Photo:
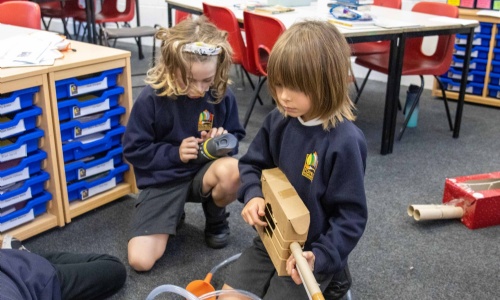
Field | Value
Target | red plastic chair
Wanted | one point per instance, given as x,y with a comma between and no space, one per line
181,15
225,19
261,35
415,61
111,14
21,13
61,9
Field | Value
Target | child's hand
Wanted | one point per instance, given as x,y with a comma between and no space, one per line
188,149
291,265
212,133
253,211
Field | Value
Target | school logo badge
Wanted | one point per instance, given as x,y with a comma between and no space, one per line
310,165
205,121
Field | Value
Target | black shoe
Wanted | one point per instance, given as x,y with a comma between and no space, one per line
216,147
10,242
217,232
339,285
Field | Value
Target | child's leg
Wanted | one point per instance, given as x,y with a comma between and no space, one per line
252,272
222,180
215,186
158,211
144,251
88,276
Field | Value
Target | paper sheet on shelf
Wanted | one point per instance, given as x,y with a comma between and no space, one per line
34,49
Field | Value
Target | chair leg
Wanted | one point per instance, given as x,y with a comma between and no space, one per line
441,86
413,106
360,90
253,100
252,85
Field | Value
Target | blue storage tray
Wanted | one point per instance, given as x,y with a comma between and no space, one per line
32,209
478,40
89,104
21,146
484,28
13,124
17,100
494,79
27,190
494,91
475,63
495,66
471,88
476,51
87,84
92,144
75,128
474,75
84,189
26,167
80,169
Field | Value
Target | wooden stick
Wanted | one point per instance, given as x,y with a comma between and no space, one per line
305,272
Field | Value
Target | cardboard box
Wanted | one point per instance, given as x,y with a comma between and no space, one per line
287,217
479,197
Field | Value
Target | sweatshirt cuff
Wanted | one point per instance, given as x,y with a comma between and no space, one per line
174,156
252,192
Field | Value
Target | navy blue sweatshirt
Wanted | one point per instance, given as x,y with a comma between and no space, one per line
157,126
327,170
27,276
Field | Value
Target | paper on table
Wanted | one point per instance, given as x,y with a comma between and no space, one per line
453,20
387,23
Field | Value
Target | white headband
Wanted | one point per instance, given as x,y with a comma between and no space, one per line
202,48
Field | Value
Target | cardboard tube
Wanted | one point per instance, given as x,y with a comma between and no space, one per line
411,209
436,212
305,272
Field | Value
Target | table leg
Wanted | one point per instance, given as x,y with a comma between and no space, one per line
169,14
392,94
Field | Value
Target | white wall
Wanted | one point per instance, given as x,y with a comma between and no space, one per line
155,12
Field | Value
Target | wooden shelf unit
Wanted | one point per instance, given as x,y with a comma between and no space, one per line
483,98
86,59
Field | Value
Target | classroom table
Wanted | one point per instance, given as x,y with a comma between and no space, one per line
428,25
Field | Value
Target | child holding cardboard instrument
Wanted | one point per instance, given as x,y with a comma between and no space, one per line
312,139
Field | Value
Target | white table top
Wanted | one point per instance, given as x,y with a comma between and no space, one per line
423,22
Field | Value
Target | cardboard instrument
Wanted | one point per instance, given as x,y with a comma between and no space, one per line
288,224
475,199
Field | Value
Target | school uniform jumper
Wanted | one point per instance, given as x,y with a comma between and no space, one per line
157,125
327,170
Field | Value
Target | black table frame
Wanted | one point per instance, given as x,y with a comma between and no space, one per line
398,41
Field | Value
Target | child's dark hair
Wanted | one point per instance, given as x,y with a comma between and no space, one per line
313,57
162,77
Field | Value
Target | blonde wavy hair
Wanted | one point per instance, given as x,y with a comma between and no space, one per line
313,57
162,77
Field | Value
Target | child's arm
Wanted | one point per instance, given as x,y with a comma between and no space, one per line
344,202
141,145
257,158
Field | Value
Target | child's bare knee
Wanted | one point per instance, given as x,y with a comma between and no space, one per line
140,263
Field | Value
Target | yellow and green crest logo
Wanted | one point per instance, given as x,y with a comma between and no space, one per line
205,121
310,165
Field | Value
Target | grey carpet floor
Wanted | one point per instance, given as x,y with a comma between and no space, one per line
397,258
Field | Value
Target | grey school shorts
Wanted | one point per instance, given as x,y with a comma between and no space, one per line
159,209
254,272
